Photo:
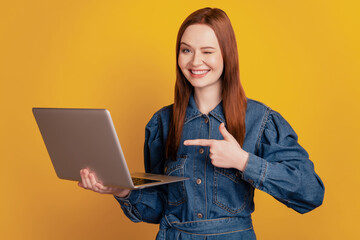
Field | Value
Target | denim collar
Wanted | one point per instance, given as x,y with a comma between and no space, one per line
193,112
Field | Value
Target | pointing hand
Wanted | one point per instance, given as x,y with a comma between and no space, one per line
225,153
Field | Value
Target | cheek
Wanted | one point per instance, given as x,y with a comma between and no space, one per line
181,62
216,62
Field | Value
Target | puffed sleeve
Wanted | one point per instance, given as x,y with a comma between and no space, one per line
147,204
281,167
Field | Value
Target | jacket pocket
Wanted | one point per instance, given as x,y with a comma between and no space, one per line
176,191
231,193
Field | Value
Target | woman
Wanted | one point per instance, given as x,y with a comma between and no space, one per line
226,144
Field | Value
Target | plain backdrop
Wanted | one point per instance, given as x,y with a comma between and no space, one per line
301,58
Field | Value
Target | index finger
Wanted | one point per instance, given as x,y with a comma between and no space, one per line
198,142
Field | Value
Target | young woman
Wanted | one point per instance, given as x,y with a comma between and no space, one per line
226,144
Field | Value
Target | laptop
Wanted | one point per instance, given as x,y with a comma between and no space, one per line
86,138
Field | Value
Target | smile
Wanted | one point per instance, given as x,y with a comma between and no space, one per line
198,73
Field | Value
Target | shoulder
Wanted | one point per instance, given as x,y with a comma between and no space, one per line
257,111
274,132
157,127
256,104
261,110
269,119
160,116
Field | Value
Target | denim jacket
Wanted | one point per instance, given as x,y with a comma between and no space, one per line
216,203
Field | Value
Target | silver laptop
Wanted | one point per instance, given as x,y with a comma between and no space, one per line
86,138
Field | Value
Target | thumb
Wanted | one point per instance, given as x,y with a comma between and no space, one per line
227,136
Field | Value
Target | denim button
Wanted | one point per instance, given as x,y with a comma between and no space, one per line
198,181
238,174
206,120
201,151
126,204
199,215
251,181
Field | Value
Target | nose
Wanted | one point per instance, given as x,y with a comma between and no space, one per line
197,59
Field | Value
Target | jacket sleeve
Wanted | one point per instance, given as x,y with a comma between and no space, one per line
147,204
281,167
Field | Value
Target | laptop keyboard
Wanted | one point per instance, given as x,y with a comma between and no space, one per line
140,181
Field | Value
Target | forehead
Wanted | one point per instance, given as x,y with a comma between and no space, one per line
199,35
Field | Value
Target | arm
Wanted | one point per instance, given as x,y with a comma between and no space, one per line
282,168
148,204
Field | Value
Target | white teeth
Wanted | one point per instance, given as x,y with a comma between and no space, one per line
199,72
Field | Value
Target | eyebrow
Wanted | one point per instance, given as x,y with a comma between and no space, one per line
200,48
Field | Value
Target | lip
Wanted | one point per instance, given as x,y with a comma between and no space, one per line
198,75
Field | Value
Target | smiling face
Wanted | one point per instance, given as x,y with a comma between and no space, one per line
200,58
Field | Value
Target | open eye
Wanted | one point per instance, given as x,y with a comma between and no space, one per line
185,50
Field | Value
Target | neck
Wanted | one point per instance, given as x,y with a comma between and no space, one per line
207,98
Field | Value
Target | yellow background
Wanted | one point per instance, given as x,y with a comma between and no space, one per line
302,58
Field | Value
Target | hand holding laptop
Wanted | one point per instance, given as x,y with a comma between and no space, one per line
90,182
85,141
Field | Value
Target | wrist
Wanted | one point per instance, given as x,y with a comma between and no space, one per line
243,161
123,194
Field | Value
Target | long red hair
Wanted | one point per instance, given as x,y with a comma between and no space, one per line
233,95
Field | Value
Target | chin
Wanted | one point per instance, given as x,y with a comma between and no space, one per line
201,83
197,84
